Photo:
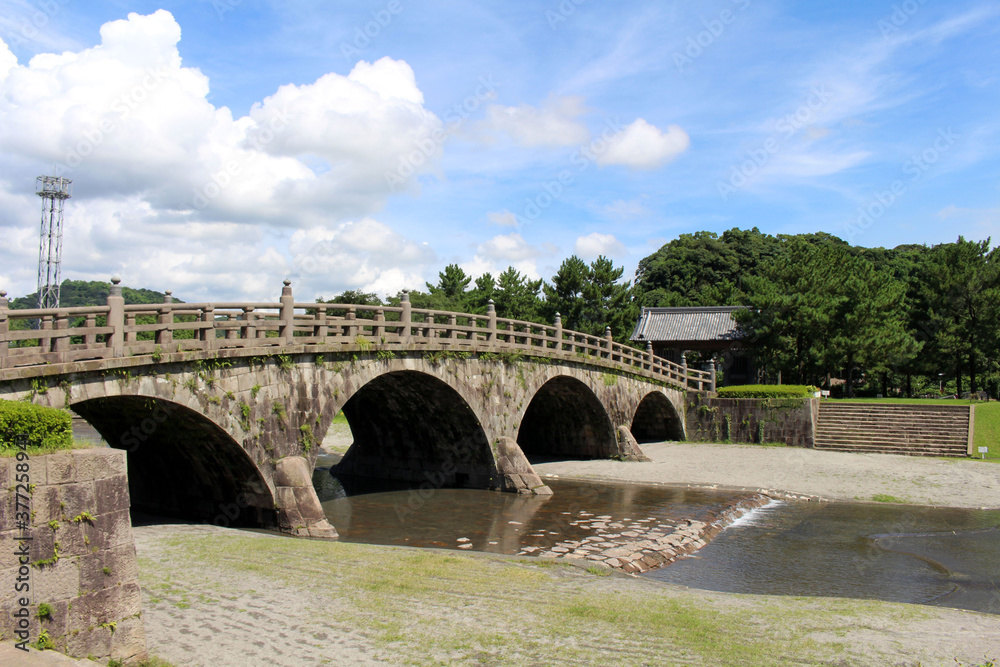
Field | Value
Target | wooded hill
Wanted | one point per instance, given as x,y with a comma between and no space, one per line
74,293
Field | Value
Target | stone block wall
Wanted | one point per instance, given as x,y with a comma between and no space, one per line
81,559
752,420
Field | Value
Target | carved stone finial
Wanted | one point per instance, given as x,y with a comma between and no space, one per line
116,279
287,282
3,293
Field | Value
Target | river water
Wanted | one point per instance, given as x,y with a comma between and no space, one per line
947,557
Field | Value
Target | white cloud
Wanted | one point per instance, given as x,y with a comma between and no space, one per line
7,60
508,247
554,124
644,146
174,192
503,218
595,244
496,254
366,255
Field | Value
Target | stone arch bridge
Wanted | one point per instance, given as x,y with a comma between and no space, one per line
221,406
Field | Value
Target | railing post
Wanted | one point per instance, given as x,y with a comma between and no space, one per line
378,330
684,370
321,331
714,370
649,353
90,339
352,329
452,322
129,323
491,313
4,325
286,330
249,330
116,318
611,341
406,317
61,344
208,335
165,335
559,334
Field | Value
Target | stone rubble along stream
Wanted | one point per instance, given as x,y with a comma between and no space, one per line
635,546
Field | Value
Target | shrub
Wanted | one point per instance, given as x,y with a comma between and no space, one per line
767,391
46,428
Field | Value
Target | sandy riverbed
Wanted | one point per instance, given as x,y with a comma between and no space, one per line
807,472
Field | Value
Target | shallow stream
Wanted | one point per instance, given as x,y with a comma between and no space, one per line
947,557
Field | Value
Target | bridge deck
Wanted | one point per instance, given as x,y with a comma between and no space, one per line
61,336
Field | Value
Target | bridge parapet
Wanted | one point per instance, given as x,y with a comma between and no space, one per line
116,330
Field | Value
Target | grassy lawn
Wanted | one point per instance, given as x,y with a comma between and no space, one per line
987,418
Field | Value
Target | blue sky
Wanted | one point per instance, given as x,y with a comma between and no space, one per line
218,147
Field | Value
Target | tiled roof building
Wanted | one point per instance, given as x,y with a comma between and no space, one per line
706,330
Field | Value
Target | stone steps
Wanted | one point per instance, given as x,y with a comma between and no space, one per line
915,430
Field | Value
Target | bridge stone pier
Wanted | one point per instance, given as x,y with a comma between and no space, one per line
221,406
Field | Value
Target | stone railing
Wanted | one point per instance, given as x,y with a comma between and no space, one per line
115,330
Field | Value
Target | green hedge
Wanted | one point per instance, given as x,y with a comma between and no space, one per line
46,428
767,391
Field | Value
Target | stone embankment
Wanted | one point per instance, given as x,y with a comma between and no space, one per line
639,545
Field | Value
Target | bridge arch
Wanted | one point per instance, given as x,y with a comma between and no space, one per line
412,426
565,418
656,419
180,463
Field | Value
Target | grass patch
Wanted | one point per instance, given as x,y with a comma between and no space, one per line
340,418
886,498
987,430
767,391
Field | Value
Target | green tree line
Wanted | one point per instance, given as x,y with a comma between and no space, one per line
905,319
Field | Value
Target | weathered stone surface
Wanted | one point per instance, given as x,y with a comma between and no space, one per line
629,449
111,493
293,471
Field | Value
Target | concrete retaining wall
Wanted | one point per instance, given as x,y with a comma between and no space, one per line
752,420
81,558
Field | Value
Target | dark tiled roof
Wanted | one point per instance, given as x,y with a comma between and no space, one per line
687,324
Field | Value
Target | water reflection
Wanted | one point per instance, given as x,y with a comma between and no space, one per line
854,550
933,556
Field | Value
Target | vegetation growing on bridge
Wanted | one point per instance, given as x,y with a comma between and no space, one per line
767,391
48,429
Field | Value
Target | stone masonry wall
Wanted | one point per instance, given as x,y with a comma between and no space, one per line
752,420
81,559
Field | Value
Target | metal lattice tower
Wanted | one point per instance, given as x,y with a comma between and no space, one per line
54,191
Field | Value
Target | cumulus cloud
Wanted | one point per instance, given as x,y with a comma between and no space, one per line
644,146
365,254
593,245
553,124
160,173
501,251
